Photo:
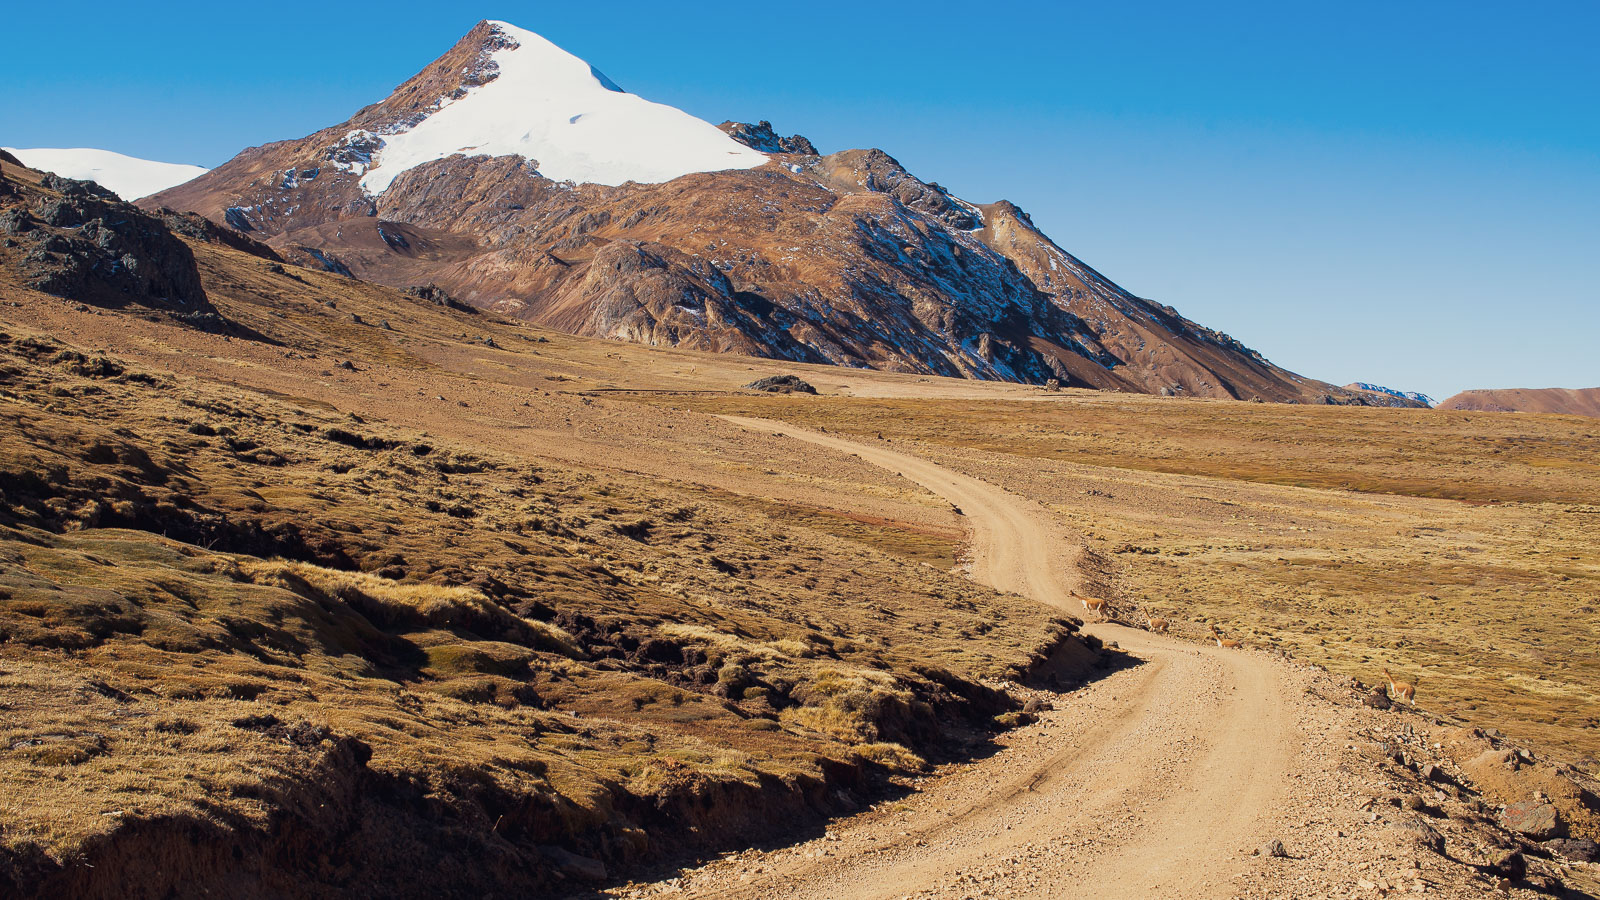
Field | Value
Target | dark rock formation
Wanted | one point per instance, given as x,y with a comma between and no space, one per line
94,249
438,297
760,136
781,384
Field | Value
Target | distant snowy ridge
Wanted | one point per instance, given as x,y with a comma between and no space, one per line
1380,389
129,176
549,106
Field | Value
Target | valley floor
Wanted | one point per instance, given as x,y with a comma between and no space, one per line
369,580
1170,777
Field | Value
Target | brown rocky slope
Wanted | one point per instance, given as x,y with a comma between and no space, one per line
843,258
1566,401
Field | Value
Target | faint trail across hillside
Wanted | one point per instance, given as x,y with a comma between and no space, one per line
1154,781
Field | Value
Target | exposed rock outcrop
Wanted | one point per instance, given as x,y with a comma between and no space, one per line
78,241
760,136
782,384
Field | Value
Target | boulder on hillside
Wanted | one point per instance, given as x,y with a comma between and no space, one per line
437,296
781,384
1415,833
1534,818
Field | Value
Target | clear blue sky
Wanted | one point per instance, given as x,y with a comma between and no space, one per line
1406,193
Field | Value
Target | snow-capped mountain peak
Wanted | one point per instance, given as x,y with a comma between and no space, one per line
1380,389
464,176
538,101
130,177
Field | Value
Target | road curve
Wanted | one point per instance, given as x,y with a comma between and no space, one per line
1153,781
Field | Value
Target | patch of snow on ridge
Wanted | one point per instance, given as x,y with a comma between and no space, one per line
128,176
551,107
1380,389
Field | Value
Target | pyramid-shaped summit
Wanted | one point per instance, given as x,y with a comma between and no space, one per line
515,176
535,100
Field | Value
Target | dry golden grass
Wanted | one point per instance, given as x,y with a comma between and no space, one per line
257,589
412,606
937,547
475,598
1484,457
1357,538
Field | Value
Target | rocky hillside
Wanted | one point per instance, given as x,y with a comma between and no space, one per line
1566,401
741,241
265,632
77,240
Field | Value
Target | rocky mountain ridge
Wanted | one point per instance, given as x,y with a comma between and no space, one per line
1415,396
844,258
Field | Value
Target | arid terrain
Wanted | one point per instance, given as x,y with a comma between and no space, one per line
1455,548
1563,401
304,580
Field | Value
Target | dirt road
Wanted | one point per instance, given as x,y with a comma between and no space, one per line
1155,781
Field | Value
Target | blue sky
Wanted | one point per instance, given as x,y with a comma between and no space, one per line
1405,193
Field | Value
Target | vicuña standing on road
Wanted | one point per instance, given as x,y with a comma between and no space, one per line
1092,605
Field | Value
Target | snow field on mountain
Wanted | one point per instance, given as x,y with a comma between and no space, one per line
552,107
129,176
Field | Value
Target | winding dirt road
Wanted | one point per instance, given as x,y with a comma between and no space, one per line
1154,781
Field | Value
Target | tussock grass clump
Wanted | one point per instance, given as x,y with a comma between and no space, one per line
403,606
892,756
870,711
855,706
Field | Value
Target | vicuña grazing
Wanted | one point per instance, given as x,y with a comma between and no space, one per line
1400,690
1222,641
1092,605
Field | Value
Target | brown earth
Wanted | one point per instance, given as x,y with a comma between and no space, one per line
1561,401
275,613
359,579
